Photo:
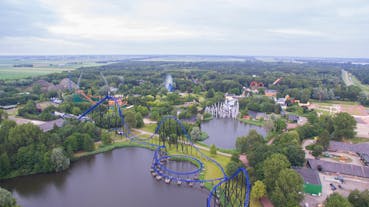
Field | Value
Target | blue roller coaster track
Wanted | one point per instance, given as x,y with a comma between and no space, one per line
231,190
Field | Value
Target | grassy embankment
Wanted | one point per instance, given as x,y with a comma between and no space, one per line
252,122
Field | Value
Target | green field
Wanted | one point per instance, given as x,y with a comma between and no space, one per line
354,81
363,87
16,73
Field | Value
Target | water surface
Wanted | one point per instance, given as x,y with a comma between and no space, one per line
224,132
120,178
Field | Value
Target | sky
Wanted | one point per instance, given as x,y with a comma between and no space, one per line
312,28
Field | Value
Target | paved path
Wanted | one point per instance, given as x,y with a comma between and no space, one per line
196,145
19,120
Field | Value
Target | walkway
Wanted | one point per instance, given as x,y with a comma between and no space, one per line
196,145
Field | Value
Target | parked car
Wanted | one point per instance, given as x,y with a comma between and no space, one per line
340,178
333,187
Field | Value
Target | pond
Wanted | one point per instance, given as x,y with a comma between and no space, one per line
224,132
115,179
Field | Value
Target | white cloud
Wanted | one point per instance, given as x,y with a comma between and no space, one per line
297,32
82,19
191,26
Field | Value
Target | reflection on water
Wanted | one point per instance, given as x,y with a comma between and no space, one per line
224,132
113,179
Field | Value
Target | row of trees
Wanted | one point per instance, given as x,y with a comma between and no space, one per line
25,149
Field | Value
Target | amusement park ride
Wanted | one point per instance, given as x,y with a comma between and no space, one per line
233,190
122,100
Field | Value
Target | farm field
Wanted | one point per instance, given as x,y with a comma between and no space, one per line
16,73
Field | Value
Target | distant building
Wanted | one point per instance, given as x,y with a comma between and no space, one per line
282,103
271,93
312,184
256,84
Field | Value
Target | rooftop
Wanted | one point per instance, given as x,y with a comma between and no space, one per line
333,167
341,146
309,175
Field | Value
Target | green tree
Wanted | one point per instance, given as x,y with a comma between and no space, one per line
155,115
258,190
324,139
213,149
3,115
279,125
139,120
247,143
336,200
272,166
359,199
195,134
288,188
6,199
130,119
87,143
76,110
106,138
291,137
4,164
232,167
59,160
294,154
326,122
142,109
344,126
317,150
210,93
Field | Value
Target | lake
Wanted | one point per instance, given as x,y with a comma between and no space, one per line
224,132
113,179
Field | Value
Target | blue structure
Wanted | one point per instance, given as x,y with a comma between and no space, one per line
95,106
231,190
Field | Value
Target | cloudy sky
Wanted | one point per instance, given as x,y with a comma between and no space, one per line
326,28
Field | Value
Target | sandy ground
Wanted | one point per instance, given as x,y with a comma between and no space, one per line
19,120
362,126
148,121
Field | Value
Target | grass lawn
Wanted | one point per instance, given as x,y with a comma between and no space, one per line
212,170
363,87
149,128
253,122
16,73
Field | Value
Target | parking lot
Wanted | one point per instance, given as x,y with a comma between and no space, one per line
350,184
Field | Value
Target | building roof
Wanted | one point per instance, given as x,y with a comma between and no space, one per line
293,117
333,167
50,125
341,146
309,175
